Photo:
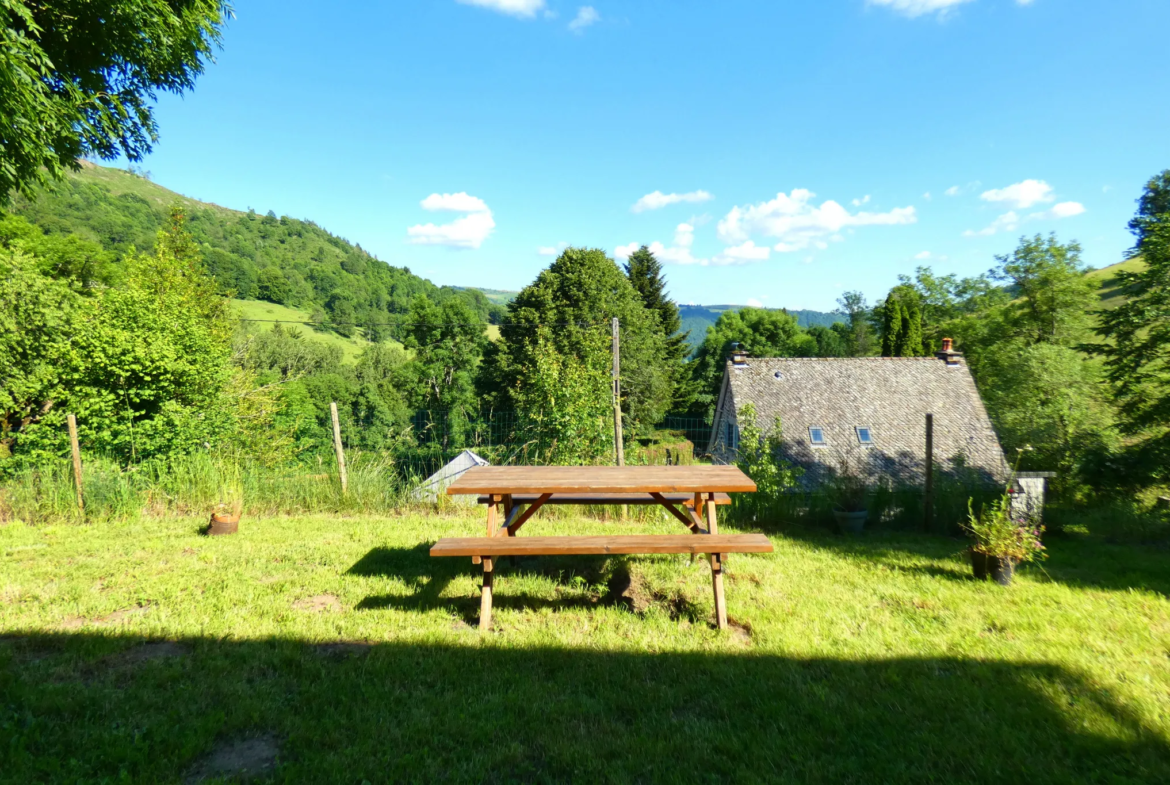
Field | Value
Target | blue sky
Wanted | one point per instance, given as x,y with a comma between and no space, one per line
778,152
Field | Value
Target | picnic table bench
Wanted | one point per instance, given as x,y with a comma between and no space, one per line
689,493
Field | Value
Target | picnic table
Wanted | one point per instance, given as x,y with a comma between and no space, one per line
513,494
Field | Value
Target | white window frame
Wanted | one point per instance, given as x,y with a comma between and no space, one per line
811,440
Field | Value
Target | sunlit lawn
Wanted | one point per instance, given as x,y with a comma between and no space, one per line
872,660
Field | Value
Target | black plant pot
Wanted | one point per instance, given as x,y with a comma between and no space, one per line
998,568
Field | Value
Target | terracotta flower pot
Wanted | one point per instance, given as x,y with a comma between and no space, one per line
223,523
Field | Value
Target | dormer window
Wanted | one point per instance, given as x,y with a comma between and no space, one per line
816,436
864,435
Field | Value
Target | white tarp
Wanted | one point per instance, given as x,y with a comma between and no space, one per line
430,488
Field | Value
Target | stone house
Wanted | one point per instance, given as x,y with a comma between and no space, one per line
867,413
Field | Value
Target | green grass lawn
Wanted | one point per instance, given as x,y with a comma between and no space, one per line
143,652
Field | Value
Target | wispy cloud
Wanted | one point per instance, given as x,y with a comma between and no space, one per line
796,223
745,253
586,15
1021,195
525,9
552,250
657,200
913,8
468,231
1010,221
952,191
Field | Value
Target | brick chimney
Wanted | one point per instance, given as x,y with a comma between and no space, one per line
738,356
948,354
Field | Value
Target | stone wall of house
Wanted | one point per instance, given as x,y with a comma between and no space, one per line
1028,501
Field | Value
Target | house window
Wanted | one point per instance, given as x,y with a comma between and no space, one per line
731,435
816,435
864,436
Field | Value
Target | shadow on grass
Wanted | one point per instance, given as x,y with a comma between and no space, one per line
81,707
1076,561
605,580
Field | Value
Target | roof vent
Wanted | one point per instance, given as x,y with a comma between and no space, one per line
778,375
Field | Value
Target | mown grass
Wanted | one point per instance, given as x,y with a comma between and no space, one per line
875,659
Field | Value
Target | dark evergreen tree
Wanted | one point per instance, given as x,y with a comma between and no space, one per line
645,274
1137,354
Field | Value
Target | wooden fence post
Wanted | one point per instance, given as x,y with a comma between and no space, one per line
928,499
75,447
617,402
338,449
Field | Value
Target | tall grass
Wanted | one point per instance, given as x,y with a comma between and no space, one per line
193,485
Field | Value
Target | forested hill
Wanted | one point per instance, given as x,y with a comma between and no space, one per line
279,259
697,318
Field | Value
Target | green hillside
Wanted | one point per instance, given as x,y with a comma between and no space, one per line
282,260
1112,292
497,296
268,314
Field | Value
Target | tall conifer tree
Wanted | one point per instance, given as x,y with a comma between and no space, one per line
645,274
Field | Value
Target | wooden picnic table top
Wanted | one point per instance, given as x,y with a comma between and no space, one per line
601,479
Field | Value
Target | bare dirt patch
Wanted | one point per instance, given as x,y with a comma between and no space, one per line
240,759
71,623
318,603
740,633
122,615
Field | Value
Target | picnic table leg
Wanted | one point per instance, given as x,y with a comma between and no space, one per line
716,568
493,500
485,600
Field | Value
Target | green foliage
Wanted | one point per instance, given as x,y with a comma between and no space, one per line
764,333
77,77
282,260
860,342
900,323
1055,298
645,274
1137,354
575,298
758,456
38,319
996,532
564,399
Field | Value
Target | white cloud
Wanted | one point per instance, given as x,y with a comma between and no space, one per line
754,303
861,201
1021,195
922,255
742,254
684,235
913,8
1009,221
1004,223
586,15
657,200
468,231
796,223
927,196
522,8
952,191
624,251
552,250
1066,209
456,203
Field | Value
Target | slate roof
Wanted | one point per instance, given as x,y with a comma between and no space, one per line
889,395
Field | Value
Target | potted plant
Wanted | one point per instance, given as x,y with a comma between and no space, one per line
225,514
1001,542
849,495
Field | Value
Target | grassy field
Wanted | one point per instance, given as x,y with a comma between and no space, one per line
335,650
261,309
1111,292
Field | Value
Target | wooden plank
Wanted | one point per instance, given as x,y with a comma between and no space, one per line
716,570
524,516
626,544
491,516
75,449
485,600
606,498
601,479
685,518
